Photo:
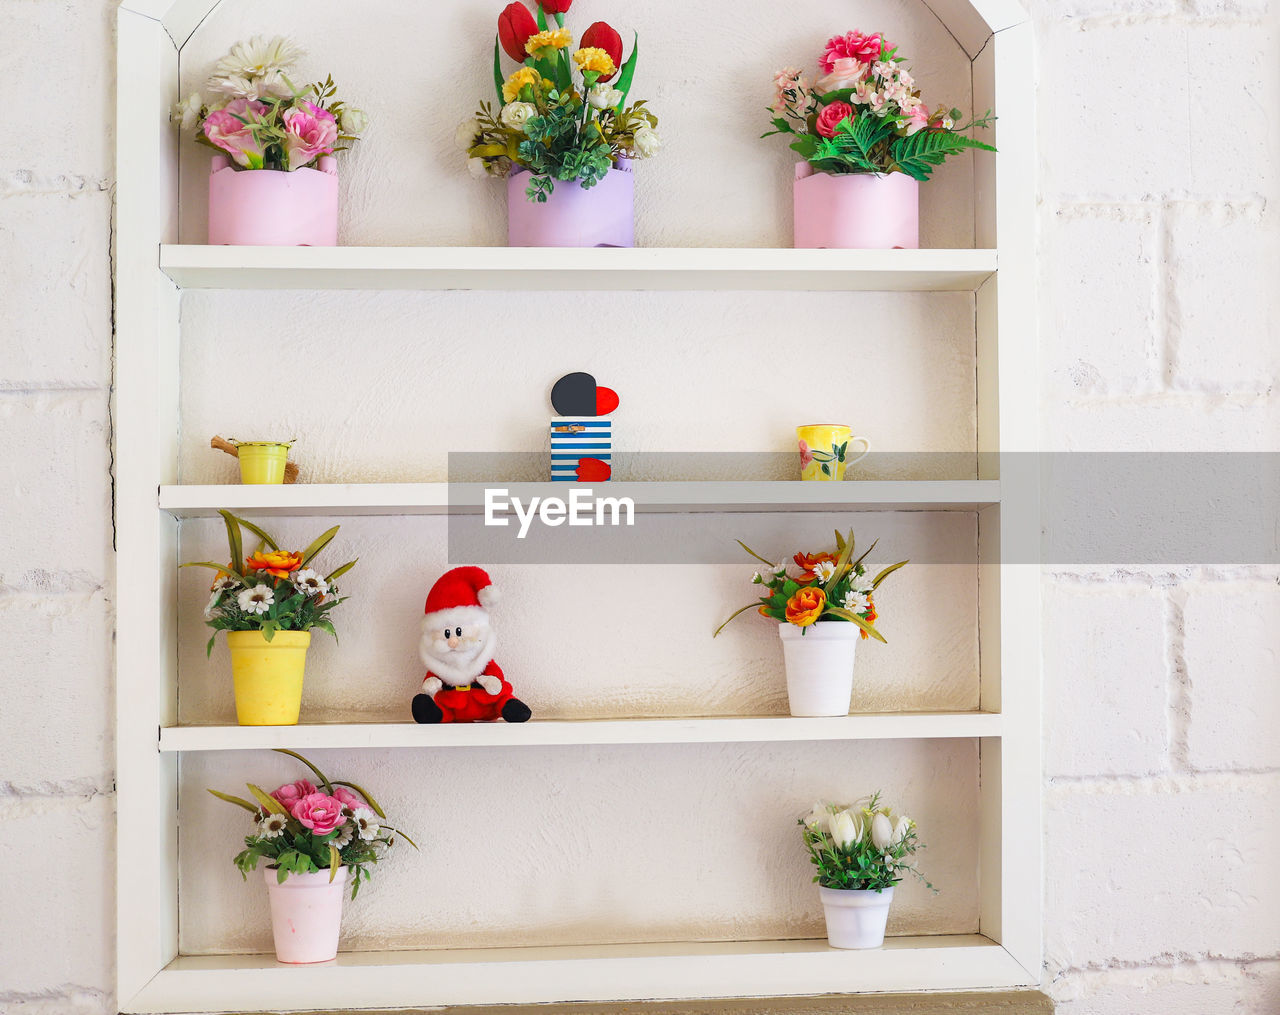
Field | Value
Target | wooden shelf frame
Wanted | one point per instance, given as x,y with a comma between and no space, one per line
150,507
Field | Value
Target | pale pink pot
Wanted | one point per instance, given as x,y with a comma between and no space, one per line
856,210
272,208
604,216
306,915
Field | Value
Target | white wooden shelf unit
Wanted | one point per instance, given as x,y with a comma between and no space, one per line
151,270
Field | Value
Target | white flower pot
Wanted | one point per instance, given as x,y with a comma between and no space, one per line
855,919
819,662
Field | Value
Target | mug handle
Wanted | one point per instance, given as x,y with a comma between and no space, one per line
854,461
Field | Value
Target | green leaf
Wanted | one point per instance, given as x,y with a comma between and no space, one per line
754,554
342,570
840,541
406,837
842,562
223,568
888,571
239,802
736,614
542,18
858,562
328,786
315,548
269,803
628,73
258,532
918,154
234,540
364,793
498,80
335,861
853,618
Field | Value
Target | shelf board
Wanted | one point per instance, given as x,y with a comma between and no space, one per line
558,732
512,268
663,498
549,975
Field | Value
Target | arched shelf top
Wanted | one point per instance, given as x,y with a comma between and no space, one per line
971,22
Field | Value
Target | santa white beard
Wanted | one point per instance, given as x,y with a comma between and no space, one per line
461,665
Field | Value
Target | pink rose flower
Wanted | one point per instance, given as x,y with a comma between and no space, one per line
348,799
917,120
846,72
290,793
319,812
309,133
806,455
227,129
831,118
865,48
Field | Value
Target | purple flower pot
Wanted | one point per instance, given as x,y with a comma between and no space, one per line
856,210
272,208
603,216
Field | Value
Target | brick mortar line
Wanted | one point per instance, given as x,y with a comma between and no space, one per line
1184,17
1199,573
1166,784
1083,204
1160,963
1178,713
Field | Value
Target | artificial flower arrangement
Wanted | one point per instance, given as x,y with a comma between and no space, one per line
861,846
558,127
302,828
865,115
262,117
274,590
860,852
831,586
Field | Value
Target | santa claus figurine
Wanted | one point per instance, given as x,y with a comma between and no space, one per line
463,683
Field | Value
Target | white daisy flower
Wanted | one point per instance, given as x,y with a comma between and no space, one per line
824,571
257,600
272,826
343,838
366,823
309,583
861,583
259,57
187,112
757,578
856,602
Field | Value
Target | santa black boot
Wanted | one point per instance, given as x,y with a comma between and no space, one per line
515,710
427,713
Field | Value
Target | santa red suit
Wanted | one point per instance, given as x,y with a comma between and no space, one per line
463,683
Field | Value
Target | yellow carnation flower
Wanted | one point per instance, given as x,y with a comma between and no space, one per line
516,83
556,38
592,59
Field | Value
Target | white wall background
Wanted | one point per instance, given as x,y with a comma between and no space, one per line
1157,218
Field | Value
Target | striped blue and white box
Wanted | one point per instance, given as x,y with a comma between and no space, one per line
574,438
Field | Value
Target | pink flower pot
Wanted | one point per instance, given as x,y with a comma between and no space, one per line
271,208
856,211
306,915
603,216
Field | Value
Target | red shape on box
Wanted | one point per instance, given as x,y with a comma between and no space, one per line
606,401
592,470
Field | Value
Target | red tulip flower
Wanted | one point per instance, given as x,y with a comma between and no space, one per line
515,26
602,36
556,6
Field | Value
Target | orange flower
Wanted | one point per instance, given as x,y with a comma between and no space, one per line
807,562
806,607
869,616
277,563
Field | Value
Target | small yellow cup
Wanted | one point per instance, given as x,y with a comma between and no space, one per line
262,462
268,676
824,450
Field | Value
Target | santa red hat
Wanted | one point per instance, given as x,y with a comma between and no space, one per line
460,596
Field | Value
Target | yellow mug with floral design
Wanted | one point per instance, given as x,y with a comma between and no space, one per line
824,450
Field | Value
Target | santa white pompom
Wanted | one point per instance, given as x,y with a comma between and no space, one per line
463,683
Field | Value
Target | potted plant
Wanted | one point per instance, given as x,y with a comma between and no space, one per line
562,133
268,606
861,851
315,839
262,462
822,613
867,140
273,181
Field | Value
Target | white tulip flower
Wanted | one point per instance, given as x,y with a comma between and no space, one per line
353,120
604,97
647,142
881,831
466,134
901,829
817,816
516,114
844,829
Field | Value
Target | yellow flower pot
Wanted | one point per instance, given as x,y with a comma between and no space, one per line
262,462
268,676
824,451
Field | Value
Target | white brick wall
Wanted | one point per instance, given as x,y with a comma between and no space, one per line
1158,189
